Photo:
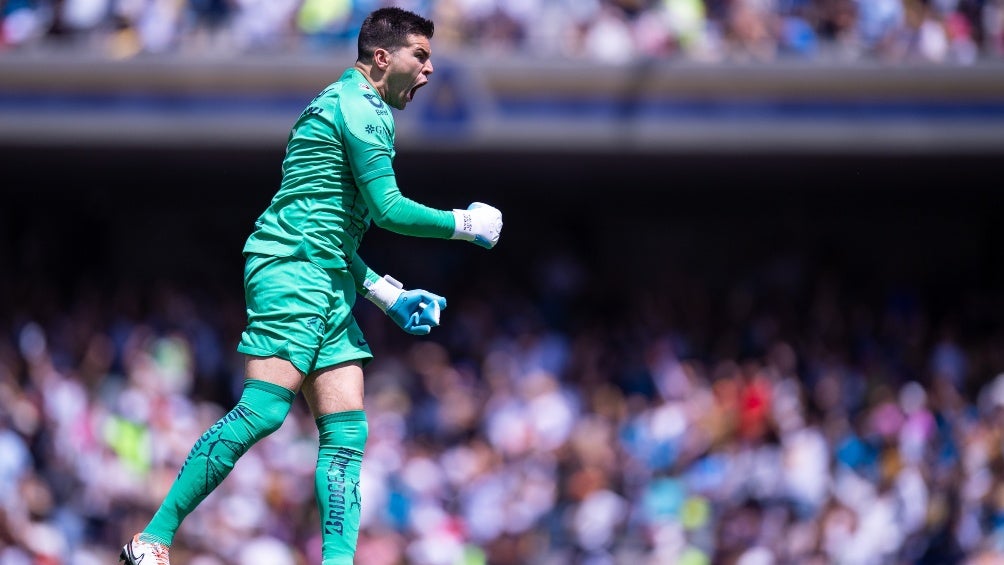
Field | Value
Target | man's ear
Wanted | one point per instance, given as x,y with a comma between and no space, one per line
381,58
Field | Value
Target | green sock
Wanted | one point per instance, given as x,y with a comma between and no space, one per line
339,458
261,410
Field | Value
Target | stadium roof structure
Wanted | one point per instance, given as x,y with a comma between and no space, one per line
647,106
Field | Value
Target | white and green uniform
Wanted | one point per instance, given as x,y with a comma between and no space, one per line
338,177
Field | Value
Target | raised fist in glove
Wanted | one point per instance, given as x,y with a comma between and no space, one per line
479,223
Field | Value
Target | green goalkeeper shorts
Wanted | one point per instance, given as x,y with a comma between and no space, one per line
301,313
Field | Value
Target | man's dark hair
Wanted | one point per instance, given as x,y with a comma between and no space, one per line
389,28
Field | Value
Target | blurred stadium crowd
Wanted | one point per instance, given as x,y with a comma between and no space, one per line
613,31
575,424
793,421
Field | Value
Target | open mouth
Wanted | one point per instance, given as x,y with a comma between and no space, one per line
414,89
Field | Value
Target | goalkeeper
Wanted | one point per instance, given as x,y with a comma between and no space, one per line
302,276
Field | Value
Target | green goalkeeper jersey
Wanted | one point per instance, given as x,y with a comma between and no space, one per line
337,178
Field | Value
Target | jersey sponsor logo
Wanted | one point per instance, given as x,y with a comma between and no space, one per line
378,105
216,467
375,100
339,493
371,129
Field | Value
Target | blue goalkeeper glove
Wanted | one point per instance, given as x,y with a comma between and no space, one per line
415,311
479,223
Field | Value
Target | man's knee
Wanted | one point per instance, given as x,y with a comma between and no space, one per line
265,406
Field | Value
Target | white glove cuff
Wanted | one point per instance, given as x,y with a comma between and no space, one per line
463,225
383,292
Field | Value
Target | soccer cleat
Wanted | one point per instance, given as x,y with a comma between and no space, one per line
139,552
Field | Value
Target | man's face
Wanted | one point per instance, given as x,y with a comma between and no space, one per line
409,69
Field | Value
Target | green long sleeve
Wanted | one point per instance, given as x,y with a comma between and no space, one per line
391,210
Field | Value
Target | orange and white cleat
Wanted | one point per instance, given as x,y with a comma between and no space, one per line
141,552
